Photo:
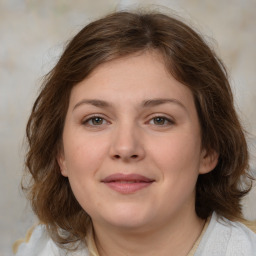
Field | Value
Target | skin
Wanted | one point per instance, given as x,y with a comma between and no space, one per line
128,138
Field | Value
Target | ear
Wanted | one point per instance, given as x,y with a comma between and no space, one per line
209,160
62,163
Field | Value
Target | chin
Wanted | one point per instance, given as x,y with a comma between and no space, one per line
131,225
128,219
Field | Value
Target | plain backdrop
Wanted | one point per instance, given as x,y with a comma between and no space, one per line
33,34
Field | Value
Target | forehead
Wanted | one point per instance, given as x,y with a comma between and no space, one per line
131,79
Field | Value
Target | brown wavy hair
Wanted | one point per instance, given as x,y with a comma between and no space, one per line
190,60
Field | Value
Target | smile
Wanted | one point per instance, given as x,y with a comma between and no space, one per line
127,183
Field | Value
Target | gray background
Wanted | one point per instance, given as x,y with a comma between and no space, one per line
32,35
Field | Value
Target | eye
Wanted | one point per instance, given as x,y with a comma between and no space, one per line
161,121
94,121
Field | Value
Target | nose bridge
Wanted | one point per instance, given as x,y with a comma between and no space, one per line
126,141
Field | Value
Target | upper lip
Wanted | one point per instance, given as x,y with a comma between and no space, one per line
126,177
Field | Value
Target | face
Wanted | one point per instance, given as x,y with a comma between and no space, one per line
132,144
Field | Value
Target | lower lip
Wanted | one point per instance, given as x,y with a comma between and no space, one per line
128,188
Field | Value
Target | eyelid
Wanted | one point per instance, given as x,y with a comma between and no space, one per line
170,120
86,119
90,117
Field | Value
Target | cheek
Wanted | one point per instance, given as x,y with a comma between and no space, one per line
176,152
84,155
178,163
178,158
83,160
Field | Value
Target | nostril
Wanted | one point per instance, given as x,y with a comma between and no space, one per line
118,156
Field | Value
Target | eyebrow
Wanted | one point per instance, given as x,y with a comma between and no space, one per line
96,103
145,103
156,102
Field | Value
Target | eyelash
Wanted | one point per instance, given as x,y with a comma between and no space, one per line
168,120
86,121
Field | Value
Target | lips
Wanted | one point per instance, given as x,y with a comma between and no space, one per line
127,183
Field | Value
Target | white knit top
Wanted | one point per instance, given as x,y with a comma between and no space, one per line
221,238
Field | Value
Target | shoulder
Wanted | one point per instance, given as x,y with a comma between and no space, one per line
242,239
40,244
227,238
37,242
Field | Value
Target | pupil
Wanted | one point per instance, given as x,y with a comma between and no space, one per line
97,120
159,120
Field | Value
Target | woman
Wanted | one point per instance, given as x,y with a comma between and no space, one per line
135,147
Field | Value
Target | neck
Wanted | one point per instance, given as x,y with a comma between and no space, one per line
174,238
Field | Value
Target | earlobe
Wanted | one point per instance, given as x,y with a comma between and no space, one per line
62,164
209,161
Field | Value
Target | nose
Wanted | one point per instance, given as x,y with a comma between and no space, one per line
127,143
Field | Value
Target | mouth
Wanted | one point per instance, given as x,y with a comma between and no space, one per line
127,183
